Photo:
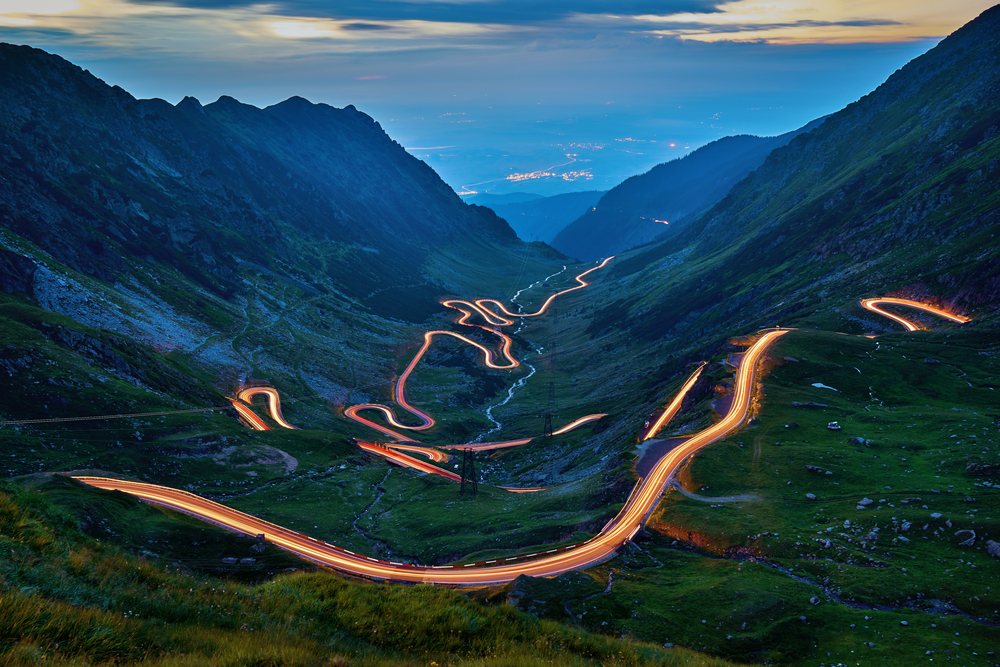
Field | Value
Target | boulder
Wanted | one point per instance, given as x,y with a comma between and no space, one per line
993,548
811,496
966,538
865,501
981,469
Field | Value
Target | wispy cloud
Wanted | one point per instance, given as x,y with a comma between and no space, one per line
812,21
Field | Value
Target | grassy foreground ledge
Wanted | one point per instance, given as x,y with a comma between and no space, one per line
68,599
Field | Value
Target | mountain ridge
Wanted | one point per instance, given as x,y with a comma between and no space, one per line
197,186
634,212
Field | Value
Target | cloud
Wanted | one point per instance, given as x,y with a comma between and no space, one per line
813,21
512,12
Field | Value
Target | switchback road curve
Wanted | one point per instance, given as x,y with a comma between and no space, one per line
550,563
873,305
467,309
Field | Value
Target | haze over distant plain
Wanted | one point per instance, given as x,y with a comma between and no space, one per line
508,95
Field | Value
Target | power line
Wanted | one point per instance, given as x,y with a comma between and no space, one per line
162,413
55,420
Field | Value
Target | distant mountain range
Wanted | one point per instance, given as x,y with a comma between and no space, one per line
667,197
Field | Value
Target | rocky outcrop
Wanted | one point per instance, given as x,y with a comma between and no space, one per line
16,272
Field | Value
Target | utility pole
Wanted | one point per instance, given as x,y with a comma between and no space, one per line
469,477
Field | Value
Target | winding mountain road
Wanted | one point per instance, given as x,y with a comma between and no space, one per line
468,309
553,562
550,563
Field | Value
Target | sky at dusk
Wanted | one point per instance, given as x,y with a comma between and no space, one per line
509,95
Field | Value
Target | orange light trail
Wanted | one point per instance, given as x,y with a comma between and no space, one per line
579,422
873,305
487,446
467,309
493,318
675,405
550,563
433,454
407,461
273,402
388,452
256,423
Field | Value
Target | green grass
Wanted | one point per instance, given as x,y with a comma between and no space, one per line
66,599
750,569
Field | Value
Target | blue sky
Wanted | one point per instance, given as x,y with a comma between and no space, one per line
508,95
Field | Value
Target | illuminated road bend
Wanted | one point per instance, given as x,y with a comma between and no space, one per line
491,317
546,564
273,402
467,308
873,305
431,453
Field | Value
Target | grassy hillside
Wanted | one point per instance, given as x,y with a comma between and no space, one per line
68,599
754,569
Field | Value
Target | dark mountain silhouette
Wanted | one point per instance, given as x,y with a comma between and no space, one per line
541,219
94,176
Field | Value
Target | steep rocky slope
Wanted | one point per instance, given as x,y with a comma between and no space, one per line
92,175
297,244
674,192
